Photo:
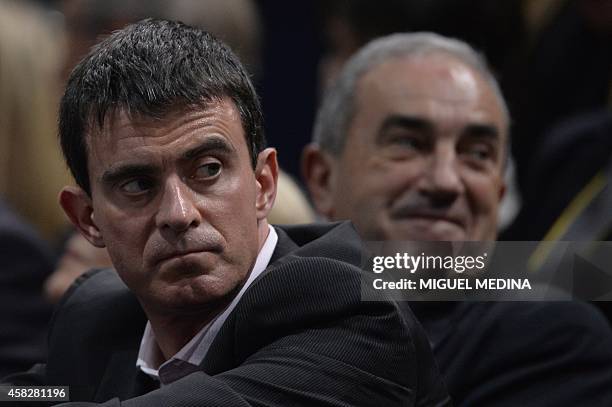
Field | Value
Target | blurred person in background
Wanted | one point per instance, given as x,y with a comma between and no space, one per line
553,58
25,260
554,62
410,144
563,69
495,28
31,173
234,21
31,168
561,83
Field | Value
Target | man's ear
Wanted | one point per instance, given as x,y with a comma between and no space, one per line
317,171
77,205
502,190
266,175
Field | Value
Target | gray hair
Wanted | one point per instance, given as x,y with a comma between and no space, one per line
336,112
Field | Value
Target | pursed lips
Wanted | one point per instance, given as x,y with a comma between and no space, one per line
165,256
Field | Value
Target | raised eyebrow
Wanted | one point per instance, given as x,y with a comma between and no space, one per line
212,144
125,171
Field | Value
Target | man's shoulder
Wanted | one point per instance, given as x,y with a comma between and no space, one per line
321,273
311,300
97,305
337,241
322,269
539,344
528,333
317,265
544,317
97,320
97,289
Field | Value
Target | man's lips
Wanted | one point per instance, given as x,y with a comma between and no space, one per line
179,254
169,255
427,215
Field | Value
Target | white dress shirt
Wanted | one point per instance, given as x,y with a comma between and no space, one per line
188,359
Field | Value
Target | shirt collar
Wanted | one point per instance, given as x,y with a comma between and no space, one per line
192,354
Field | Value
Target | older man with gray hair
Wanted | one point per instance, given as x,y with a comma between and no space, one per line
410,144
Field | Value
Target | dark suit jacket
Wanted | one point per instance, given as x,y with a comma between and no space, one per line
300,336
521,353
25,262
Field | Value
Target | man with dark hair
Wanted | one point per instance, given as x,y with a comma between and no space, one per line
410,144
209,305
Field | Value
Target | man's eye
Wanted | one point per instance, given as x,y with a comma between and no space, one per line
407,141
208,170
479,152
136,186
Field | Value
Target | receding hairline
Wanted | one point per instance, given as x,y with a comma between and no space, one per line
337,111
423,57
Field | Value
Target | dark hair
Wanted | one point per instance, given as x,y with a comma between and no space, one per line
149,69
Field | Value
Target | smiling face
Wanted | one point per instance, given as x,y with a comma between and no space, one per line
178,205
424,153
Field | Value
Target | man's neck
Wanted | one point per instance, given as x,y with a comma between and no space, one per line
173,332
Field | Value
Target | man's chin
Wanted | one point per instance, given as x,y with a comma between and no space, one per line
192,295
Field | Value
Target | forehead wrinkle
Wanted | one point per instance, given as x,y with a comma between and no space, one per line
474,84
187,129
210,143
468,101
437,70
152,158
190,122
176,116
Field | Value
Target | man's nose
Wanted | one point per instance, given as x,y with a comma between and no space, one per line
441,180
178,209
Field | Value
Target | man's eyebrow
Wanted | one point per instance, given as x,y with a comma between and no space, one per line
483,131
405,122
124,171
211,144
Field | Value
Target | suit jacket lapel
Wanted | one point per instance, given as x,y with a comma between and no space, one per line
284,246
